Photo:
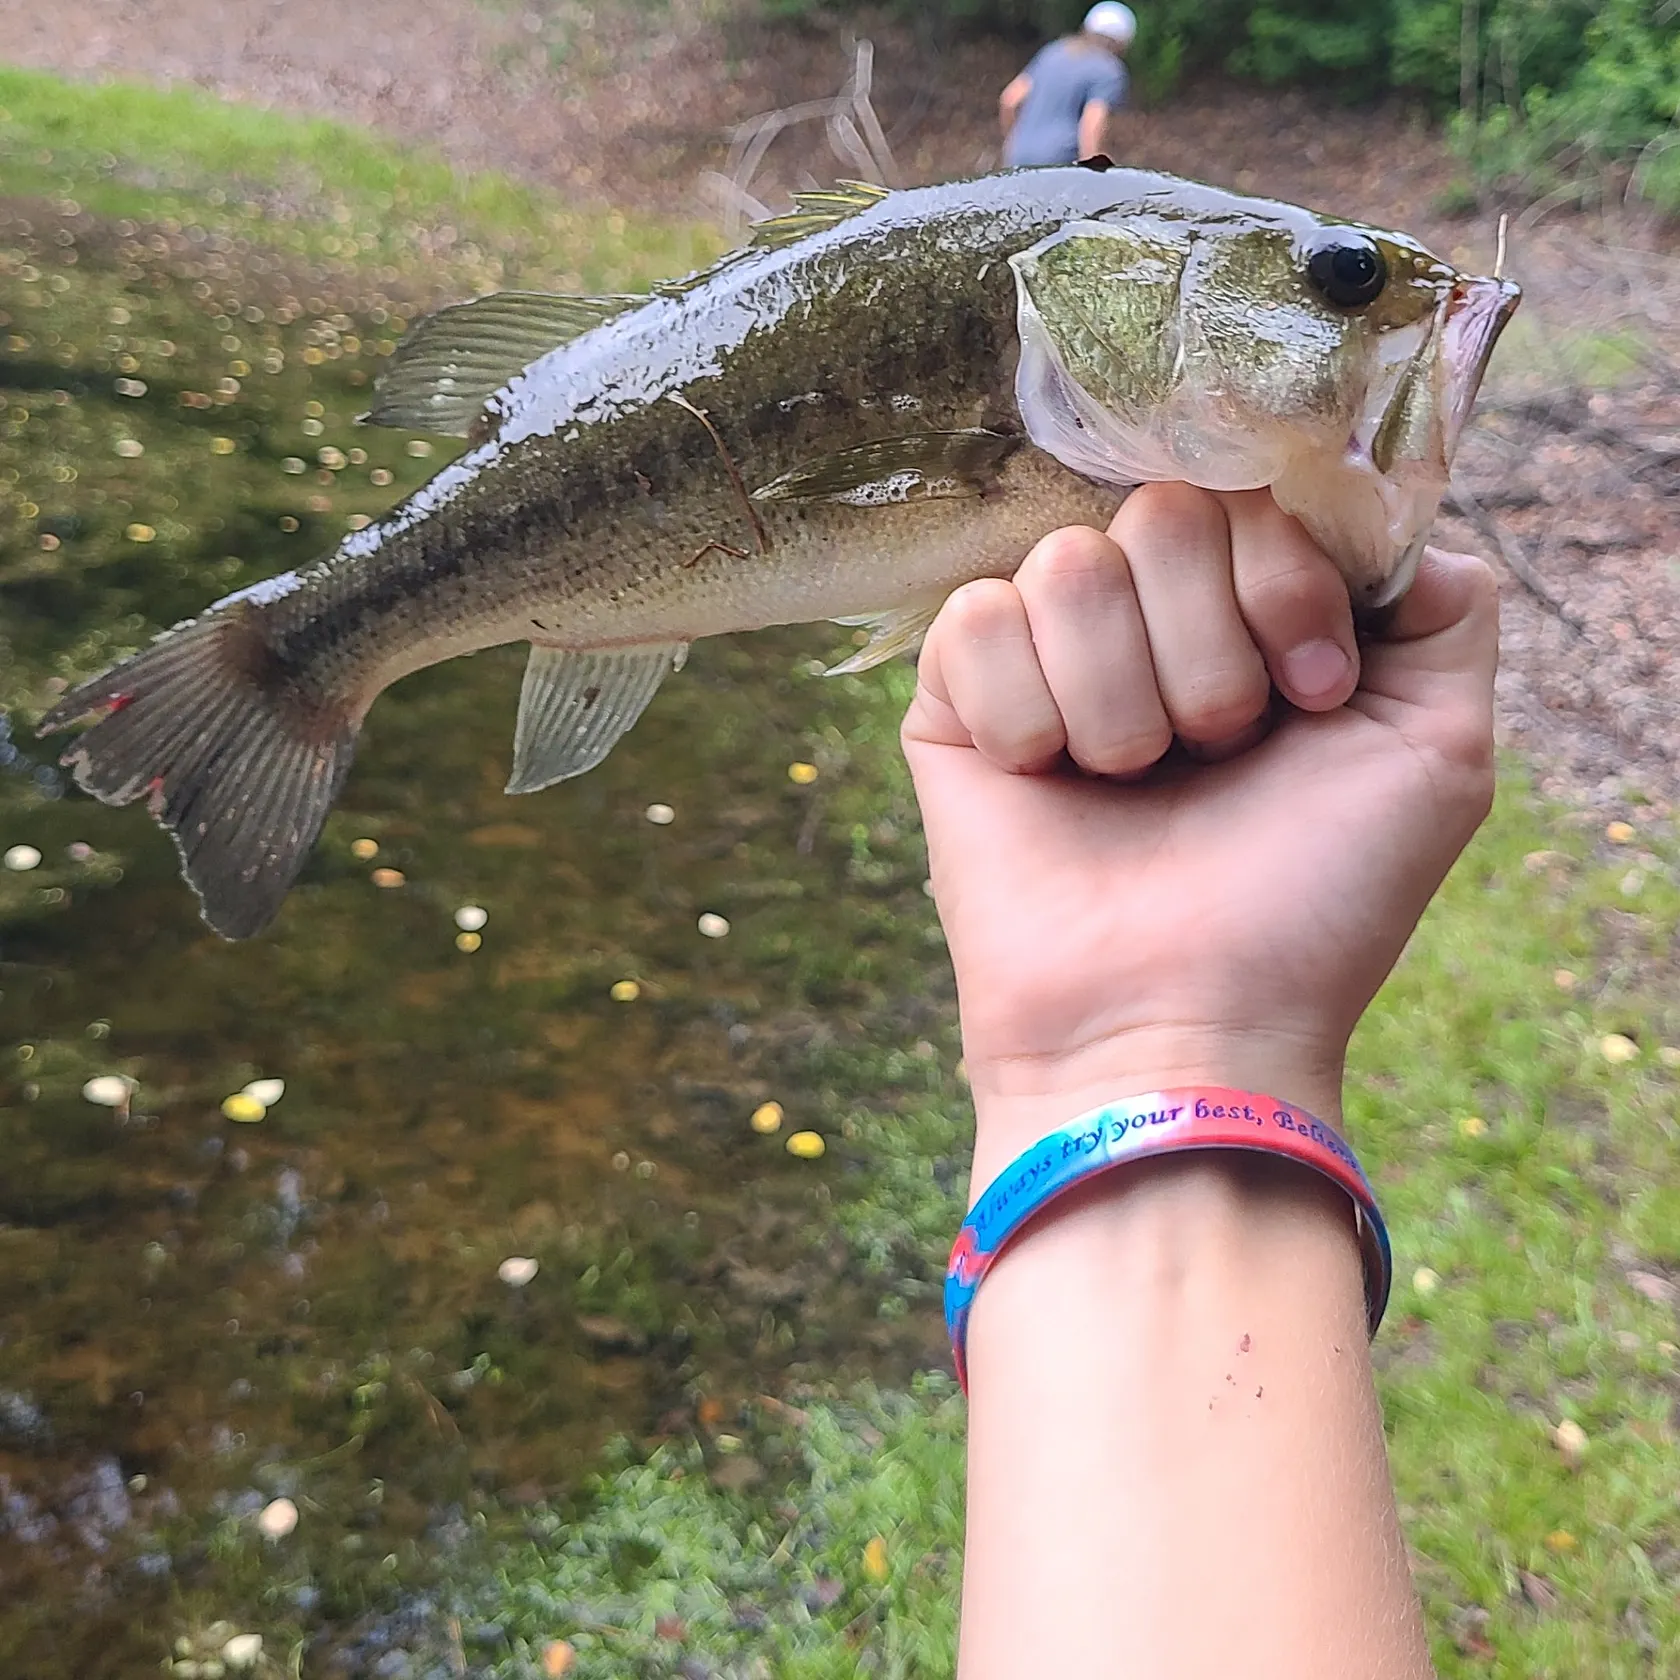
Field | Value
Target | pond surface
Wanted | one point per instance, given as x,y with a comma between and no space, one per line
203,1315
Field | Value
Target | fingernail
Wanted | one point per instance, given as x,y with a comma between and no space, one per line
1315,669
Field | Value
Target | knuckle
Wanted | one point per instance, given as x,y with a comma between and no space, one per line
1221,704
1025,751
983,609
1076,554
1292,596
1126,755
1176,515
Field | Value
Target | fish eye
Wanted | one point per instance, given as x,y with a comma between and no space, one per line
1347,269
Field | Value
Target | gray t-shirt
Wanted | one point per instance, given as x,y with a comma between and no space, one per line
1065,76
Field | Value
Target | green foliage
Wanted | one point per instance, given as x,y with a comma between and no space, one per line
1573,97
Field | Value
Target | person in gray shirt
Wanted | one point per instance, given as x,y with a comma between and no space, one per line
1057,109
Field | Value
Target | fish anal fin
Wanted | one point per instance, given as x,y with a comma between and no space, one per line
917,467
898,630
816,212
451,363
577,703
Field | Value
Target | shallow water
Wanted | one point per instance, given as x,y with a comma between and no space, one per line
202,1315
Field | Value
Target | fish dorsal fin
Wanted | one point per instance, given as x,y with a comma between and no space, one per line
452,362
815,212
576,704
898,630
917,467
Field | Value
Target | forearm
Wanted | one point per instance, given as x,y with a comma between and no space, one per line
1176,1461
1093,130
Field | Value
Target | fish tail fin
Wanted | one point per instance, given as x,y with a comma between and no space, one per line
232,756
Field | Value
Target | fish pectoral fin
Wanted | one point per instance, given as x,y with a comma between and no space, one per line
917,467
451,363
815,212
898,630
576,704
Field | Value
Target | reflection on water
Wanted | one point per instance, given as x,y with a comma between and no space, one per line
511,1196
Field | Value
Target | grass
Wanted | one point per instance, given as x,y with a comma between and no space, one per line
1531,1180
325,189
1532,1186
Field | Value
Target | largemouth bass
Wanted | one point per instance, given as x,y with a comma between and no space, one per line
880,397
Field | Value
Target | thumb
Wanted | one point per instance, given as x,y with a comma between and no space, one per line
1431,674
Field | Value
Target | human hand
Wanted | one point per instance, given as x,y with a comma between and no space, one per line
1119,924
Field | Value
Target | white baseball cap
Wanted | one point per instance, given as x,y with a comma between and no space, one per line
1112,20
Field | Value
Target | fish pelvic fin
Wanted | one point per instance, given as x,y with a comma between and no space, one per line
576,705
453,362
230,756
899,630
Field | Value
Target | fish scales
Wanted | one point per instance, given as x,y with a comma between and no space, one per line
541,523
841,421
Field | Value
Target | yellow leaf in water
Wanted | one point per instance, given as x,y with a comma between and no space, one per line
468,942
625,991
140,533
802,774
767,1118
222,446
557,1658
244,1108
364,849
875,1559
808,1146
387,877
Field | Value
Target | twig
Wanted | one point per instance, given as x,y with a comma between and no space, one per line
854,131
1459,500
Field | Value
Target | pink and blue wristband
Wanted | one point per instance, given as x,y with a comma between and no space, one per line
1157,1123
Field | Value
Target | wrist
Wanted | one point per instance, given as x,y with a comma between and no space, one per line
1019,1099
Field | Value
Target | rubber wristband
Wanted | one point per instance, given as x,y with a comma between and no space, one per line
1157,1123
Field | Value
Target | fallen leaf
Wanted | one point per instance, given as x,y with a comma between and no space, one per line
808,1146
611,1335
767,1118
822,1592
1570,1439
244,1108
1655,1289
801,774
278,1518
875,1560
387,878
557,1658
1561,1540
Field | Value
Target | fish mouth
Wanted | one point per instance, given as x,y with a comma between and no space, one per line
1476,314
